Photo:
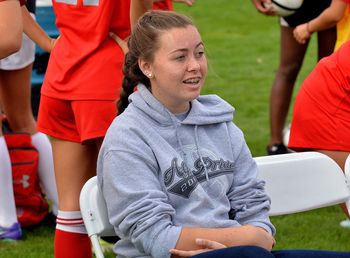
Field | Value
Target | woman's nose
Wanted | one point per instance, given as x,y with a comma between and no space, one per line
193,64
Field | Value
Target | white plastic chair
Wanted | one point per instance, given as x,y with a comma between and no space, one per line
295,182
94,212
302,181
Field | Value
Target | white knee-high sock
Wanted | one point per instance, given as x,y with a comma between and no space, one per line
46,168
8,214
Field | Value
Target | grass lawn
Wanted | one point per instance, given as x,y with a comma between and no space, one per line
242,47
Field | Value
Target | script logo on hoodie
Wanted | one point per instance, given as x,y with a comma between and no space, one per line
181,180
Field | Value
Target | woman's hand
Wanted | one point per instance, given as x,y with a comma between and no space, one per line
205,244
51,43
264,7
122,43
301,33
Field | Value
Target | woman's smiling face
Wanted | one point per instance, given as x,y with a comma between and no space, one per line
178,69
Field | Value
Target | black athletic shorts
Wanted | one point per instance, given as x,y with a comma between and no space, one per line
31,6
309,10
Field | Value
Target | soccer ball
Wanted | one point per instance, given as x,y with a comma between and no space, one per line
285,7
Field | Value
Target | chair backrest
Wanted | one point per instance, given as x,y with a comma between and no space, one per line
302,181
295,182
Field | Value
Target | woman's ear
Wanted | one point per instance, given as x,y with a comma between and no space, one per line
145,68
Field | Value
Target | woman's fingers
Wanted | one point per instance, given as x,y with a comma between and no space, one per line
209,244
122,43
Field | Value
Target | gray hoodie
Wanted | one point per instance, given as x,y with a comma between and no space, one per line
159,173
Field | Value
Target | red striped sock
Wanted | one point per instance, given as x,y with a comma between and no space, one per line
71,240
72,245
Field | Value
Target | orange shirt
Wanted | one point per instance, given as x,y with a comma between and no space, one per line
86,63
343,27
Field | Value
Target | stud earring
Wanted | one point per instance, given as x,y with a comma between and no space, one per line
149,75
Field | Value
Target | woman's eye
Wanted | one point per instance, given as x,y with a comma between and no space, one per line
180,57
200,53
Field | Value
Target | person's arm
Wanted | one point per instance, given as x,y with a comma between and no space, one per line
138,8
249,206
142,212
205,246
327,19
234,236
11,27
121,42
249,201
35,32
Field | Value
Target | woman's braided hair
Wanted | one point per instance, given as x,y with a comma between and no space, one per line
143,43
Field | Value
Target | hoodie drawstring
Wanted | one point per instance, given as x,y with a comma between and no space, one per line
199,153
184,156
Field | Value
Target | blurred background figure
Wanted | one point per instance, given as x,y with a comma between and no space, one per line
321,114
15,100
291,58
335,15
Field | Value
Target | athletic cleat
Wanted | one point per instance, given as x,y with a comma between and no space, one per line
12,233
277,149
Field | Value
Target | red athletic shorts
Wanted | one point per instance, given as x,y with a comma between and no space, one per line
75,120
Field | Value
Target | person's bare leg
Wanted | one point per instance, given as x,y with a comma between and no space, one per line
15,102
15,98
15,95
74,164
8,215
339,157
326,41
291,58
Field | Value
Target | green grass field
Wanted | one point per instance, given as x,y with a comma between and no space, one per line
243,50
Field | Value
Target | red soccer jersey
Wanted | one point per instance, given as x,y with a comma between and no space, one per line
321,114
85,62
163,5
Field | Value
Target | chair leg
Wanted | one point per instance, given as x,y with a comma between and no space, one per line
347,176
97,246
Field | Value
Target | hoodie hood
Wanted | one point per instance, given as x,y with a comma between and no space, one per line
208,109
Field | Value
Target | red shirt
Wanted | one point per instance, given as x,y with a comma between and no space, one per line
321,113
85,62
164,5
